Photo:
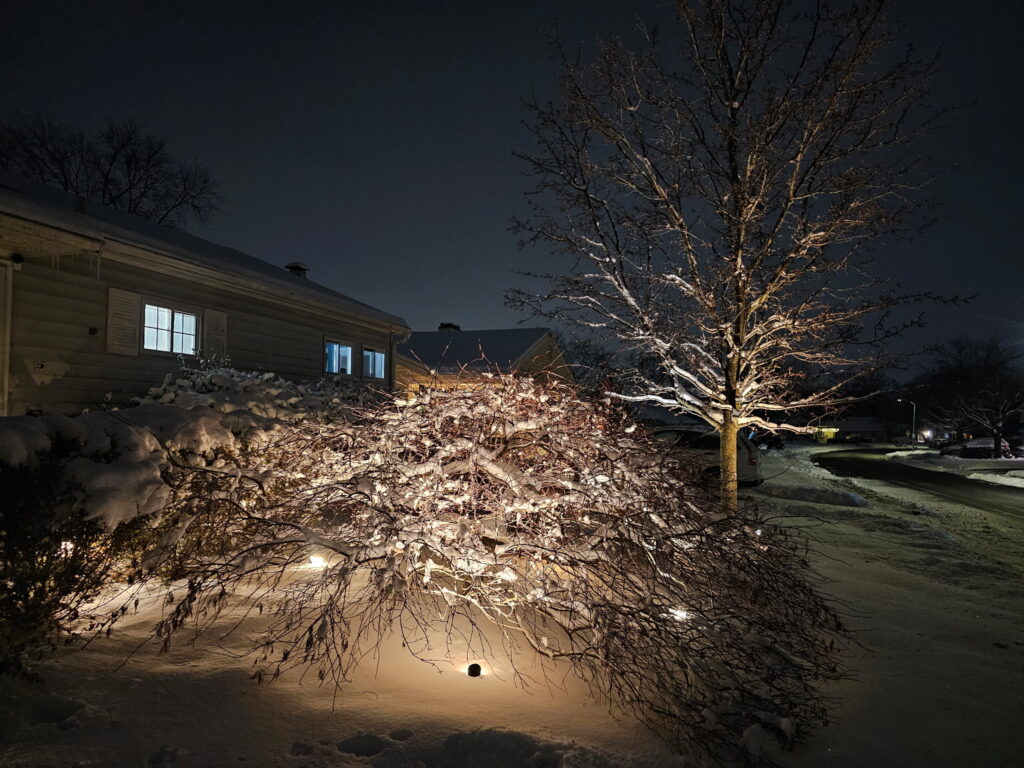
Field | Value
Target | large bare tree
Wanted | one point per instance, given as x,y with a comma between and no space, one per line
976,383
119,165
717,194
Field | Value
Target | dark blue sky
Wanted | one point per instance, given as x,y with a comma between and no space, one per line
373,141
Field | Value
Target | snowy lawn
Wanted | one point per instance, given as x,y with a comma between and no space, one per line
937,678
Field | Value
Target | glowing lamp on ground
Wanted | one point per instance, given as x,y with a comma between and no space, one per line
316,561
474,670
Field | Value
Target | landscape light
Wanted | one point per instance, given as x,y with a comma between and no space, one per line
316,561
474,670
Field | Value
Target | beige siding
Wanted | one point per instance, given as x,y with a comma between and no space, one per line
58,357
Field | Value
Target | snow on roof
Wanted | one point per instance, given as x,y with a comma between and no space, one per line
449,350
37,202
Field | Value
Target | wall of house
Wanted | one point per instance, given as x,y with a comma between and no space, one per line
58,357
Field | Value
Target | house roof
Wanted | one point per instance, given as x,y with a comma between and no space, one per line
451,350
37,202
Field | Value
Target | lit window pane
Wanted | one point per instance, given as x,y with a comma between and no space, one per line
373,364
150,340
163,318
163,341
190,323
151,315
338,358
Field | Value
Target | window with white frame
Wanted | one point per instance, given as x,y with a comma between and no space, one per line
373,364
165,329
337,357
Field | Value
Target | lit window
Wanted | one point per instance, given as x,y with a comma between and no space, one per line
168,330
373,364
337,358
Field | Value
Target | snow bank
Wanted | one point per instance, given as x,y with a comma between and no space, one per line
815,495
1010,479
117,459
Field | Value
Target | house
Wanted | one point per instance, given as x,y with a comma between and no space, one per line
449,355
853,428
97,306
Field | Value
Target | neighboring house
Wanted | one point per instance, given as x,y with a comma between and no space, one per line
450,356
97,306
866,428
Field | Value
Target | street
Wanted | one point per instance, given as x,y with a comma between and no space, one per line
870,463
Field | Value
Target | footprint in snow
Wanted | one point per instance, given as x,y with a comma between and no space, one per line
163,756
300,749
363,745
401,734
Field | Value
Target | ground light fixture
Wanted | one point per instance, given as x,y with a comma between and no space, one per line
473,670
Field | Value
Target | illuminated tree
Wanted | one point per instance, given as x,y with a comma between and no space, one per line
517,505
717,192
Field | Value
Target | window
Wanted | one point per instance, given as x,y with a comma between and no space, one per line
373,364
169,330
337,358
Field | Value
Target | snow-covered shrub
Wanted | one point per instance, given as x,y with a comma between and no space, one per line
54,559
78,491
214,384
521,506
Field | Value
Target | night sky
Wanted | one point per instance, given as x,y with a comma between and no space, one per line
373,141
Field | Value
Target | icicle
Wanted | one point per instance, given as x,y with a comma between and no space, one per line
99,258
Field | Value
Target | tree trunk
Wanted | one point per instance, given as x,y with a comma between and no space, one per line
730,497
997,443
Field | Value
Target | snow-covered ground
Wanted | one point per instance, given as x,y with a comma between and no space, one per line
935,604
997,471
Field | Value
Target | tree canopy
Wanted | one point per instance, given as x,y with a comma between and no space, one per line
714,194
119,165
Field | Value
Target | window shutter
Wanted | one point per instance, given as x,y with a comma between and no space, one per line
215,333
123,312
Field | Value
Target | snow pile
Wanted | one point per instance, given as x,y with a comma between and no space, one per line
1012,479
263,394
119,459
814,495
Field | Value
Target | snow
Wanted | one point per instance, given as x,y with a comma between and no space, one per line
995,471
119,455
935,603
1007,479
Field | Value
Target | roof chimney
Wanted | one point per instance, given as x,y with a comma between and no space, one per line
297,268
448,327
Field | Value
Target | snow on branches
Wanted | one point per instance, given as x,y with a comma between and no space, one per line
517,506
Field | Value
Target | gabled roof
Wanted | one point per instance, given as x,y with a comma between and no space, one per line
37,202
450,350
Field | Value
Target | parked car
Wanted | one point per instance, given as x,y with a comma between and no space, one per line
768,441
951,449
706,446
981,448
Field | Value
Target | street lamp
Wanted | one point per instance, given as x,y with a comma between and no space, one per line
913,418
